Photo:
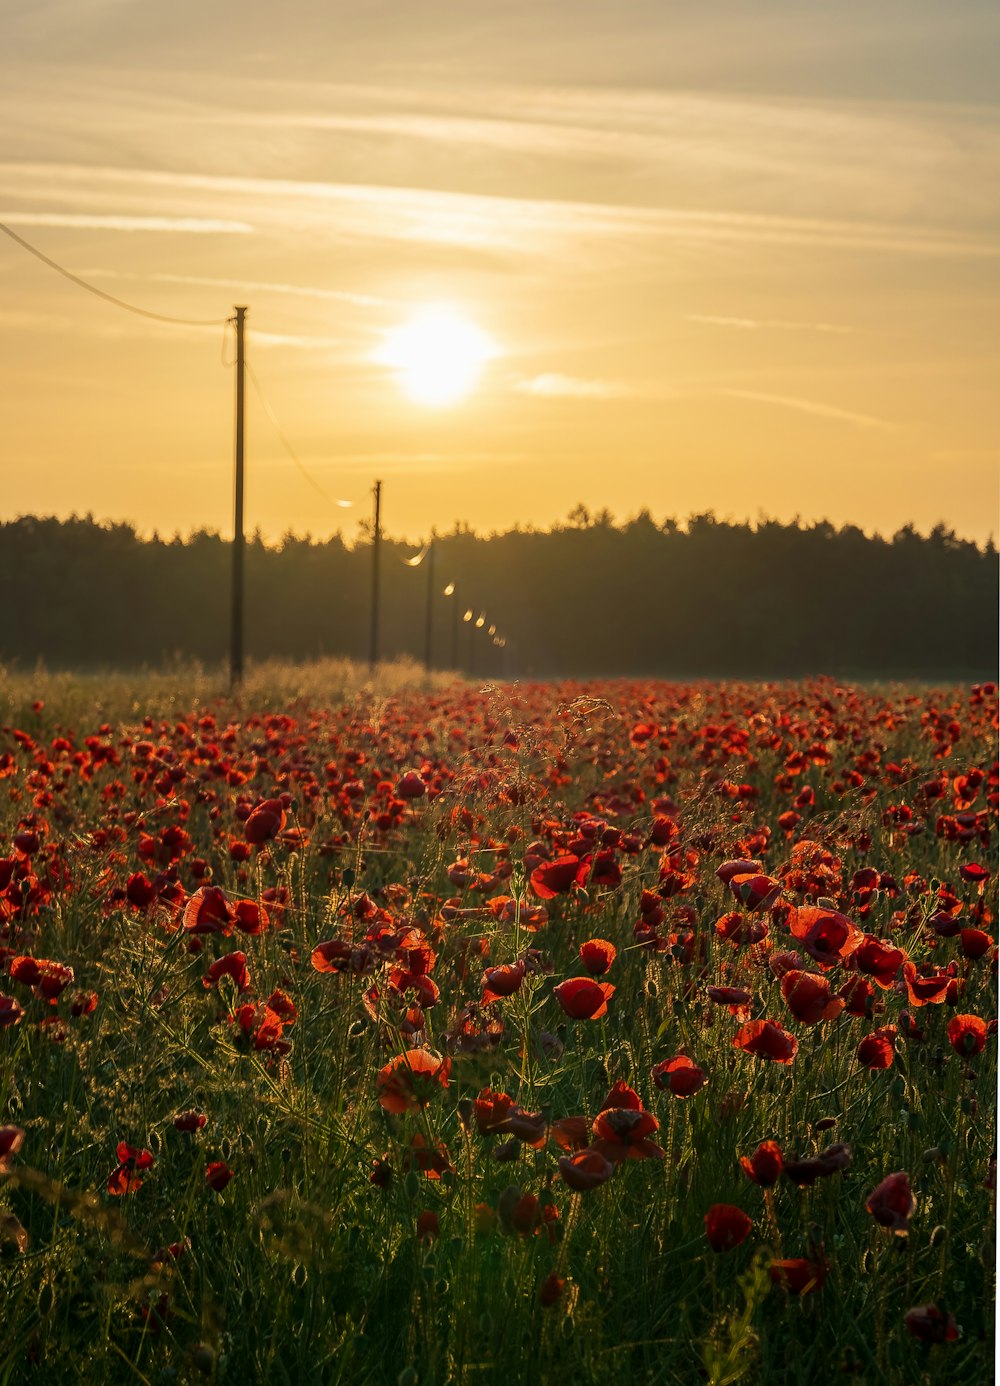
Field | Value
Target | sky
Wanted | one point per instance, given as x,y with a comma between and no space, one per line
730,257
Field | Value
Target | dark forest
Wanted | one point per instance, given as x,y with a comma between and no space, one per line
590,597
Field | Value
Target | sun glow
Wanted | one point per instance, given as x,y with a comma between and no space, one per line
438,355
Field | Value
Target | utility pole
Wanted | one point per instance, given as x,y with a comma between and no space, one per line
454,631
376,545
236,615
429,627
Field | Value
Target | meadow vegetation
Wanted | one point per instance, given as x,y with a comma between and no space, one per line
409,1032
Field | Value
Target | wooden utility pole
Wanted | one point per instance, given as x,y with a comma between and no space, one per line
429,624
376,545
236,614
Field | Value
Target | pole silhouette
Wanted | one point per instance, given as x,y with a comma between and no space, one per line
429,626
376,545
454,629
236,613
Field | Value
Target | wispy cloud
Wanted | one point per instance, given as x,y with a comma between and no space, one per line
537,227
809,406
555,386
751,324
88,221
249,285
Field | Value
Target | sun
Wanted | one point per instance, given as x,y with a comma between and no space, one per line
438,355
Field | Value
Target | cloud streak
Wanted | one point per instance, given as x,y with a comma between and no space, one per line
809,406
556,386
88,221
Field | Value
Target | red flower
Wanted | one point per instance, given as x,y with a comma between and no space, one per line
829,1161
826,935
131,1161
879,960
755,893
967,1034
428,1226
11,1012
798,1276
571,1133
47,979
929,1324
554,878
249,917
407,1082
729,869
597,955
681,1075
503,980
892,1204
189,1121
11,1140
232,965
976,943
585,1170
925,990
208,912
551,1291
766,1039
218,1175
726,1227
877,1049
492,1110
764,1166
808,997
622,1134
410,786
582,998
265,822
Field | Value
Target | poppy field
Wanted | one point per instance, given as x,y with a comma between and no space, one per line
567,1032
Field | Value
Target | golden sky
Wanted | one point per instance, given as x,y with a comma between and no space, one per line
733,257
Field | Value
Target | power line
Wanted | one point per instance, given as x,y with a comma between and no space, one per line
109,298
330,500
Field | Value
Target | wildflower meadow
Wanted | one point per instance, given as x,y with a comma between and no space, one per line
433,1033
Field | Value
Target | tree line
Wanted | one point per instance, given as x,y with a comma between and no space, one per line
588,597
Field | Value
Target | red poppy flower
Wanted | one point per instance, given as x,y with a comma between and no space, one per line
428,1226
47,979
877,1050
208,912
858,996
232,965
827,936
879,960
971,872
554,878
829,1161
766,1039
736,929
430,1158
892,1204
741,867
976,943
249,917
798,1276
528,1127
754,892
930,1324
503,980
189,1121
808,997
407,1082
926,989
132,1160
726,1227
571,1133
551,1290
585,1170
967,1034
681,1075
582,998
265,822
218,1175
597,955
11,1140
764,1166
410,786
491,1111
622,1134
11,1013
621,1095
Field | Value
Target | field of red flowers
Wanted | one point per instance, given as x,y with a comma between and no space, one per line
636,1030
